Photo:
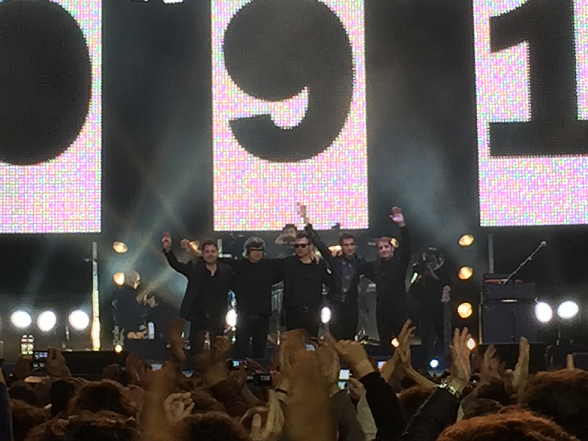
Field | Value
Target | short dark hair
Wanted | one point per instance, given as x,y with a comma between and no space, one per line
24,418
288,226
23,391
303,235
521,425
101,395
346,236
87,426
562,396
208,242
214,426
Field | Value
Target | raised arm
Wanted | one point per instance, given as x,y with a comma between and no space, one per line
171,257
405,248
316,240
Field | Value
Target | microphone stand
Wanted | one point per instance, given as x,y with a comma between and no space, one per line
523,263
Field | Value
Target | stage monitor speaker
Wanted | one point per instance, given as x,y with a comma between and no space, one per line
509,354
89,364
507,322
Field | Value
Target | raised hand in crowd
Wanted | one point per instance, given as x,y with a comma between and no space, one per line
404,337
178,406
516,380
55,365
460,370
491,368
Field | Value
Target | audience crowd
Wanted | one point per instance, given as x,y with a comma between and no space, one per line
476,399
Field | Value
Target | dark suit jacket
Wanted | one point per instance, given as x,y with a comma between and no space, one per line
192,308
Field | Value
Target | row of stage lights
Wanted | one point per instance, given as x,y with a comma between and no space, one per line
47,320
566,310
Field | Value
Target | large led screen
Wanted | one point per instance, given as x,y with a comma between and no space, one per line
532,104
50,109
289,115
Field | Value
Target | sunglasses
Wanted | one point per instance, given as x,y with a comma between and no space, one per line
300,245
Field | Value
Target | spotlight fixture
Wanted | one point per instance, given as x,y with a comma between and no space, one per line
231,318
325,314
119,247
543,312
118,349
465,273
471,344
465,310
79,320
47,321
568,310
466,240
119,278
194,245
434,363
21,319
395,242
395,342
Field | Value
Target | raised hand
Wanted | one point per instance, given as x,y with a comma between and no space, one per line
274,423
178,406
397,216
521,371
166,241
185,244
490,366
354,355
460,370
55,365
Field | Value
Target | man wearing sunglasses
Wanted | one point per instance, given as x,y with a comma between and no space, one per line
304,276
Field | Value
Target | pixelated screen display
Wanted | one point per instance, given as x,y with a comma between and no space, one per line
50,116
532,107
289,116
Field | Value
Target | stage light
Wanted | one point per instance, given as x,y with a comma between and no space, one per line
79,320
395,342
231,318
543,312
119,278
466,240
568,310
471,344
46,321
465,310
119,247
434,363
21,319
194,245
394,242
118,349
326,314
465,273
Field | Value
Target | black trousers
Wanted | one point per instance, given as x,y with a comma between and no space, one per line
252,327
344,316
198,337
302,318
389,321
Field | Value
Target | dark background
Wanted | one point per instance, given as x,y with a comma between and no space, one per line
157,171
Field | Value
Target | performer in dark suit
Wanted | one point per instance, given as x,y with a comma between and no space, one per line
206,300
388,272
